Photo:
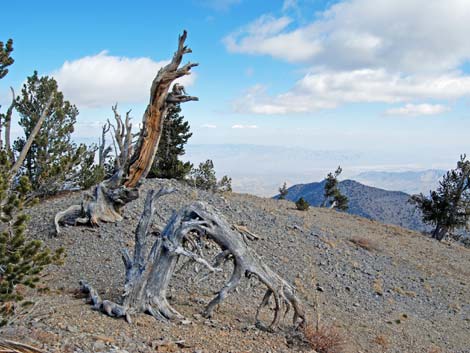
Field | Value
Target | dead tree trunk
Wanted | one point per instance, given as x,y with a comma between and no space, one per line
149,272
106,200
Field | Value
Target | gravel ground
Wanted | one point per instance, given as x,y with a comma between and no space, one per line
385,288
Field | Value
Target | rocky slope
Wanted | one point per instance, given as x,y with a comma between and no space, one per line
386,288
390,207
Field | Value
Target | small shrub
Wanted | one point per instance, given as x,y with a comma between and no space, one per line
382,341
324,339
302,205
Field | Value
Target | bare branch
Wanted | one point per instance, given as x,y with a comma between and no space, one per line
30,140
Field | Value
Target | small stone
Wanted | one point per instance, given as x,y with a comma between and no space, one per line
99,345
72,329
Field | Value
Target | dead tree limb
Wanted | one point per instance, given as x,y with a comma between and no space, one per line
14,169
149,271
134,162
7,346
103,151
152,122
122,138
7,124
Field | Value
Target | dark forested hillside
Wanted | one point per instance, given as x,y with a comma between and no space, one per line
385,206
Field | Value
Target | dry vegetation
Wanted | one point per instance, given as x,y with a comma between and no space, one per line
324,339
366,244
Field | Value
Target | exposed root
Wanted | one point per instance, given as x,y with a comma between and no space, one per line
71,211
148,275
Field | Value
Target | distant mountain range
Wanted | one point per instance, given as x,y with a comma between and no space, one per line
411,182
261,169
390,207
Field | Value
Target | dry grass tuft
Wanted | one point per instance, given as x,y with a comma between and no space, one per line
324,339
379,286
434,350
364,243
382,341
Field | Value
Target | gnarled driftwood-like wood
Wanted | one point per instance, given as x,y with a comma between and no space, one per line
149,272
133,162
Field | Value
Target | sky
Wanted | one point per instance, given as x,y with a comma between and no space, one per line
373,85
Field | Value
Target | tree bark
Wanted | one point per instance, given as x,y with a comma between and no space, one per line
152,122
440,232
149,273
108,198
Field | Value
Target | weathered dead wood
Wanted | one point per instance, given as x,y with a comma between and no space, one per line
7,123
14,169
148,272
152,122
133,161
122,138
103,151
7,346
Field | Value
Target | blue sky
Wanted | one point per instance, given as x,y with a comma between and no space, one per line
382,78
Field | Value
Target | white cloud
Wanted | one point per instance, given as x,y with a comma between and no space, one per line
362,51
398,35
417,109
102,79
326,90
290,5
209,126
265,37
240,126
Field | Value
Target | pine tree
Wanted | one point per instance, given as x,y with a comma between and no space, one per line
5,118
21,260
224,184
332,196
53,159
5,57
175,135
204,178
283,191
448,207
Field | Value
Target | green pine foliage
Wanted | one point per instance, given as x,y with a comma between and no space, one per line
448,207
302,205
91,173
283,191
224,184
175,135
53,160
204,178
21,260
5,57
332,195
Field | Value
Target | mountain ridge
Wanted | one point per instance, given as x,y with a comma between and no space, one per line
389,207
